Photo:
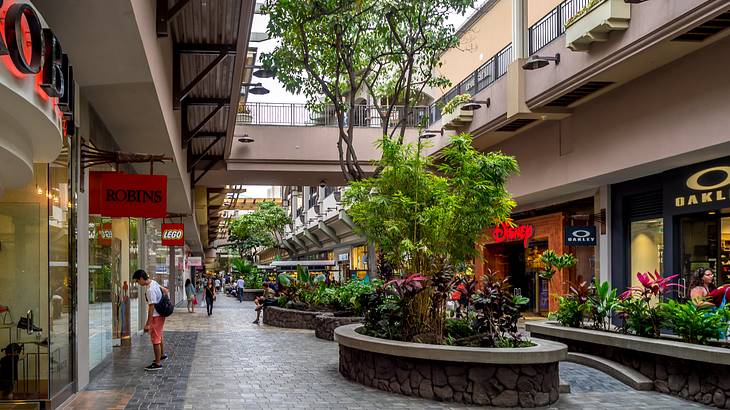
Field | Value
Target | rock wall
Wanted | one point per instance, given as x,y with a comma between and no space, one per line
325,325
250,294
470,383
702,382
290,318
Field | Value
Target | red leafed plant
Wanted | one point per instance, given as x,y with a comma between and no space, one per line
408,286
651,285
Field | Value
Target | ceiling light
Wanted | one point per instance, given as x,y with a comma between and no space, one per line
258,90
535,62
246,139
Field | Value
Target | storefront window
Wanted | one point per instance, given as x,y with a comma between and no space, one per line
100,289
647,247
134,302
360,262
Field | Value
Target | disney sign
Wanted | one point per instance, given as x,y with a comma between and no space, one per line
505,232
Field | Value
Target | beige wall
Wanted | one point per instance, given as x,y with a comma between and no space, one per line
639,129
491,33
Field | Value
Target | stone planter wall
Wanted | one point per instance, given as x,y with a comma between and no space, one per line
697,373
290,318
250,294
495,377
325,325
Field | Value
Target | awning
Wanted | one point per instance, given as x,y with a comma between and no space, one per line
303,263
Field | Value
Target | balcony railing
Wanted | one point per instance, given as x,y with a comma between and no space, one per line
552,25
540,34
286,114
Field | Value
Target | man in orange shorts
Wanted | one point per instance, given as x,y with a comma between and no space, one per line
155,323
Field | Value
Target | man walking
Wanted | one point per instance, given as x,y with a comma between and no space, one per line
217,285
241,285
155,322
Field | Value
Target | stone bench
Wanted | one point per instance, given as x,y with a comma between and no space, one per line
618,371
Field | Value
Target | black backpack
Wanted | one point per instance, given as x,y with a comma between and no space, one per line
164,307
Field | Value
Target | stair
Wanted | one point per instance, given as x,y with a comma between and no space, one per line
618,371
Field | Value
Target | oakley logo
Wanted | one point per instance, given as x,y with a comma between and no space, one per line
582,233
709,181
693,182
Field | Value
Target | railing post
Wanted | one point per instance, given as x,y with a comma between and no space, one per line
292,114
558,17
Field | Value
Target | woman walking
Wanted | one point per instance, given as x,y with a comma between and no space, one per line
190,293
209,296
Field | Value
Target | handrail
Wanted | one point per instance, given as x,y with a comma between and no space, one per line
301,115
540,34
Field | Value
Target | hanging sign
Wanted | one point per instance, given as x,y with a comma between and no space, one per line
104,234
117,194
580,235
173,234
504,232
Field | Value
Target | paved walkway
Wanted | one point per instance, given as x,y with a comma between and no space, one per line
225,362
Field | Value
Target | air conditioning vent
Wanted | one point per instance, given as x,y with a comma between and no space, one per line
705,30
516,124
578,93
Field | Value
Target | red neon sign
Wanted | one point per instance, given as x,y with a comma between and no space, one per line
504,232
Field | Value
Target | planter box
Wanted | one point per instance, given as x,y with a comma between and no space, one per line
596,23
459,118
524,377
290,318
326,324
250,294
693,372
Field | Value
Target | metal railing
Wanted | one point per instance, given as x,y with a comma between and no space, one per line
552,25
294,114
540,34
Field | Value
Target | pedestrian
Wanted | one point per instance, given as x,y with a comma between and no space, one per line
241,285
190,293
268,299
217,284
209,296
155,323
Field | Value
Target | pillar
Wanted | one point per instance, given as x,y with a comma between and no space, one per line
520,34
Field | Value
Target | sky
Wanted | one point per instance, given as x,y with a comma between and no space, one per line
277,93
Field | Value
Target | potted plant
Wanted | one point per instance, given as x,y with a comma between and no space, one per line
594,21
453,116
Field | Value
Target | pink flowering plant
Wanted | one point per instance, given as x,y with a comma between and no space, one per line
640,306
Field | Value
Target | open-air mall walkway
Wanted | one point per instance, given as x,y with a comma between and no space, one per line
226,362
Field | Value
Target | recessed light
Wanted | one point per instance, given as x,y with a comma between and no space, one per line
246,139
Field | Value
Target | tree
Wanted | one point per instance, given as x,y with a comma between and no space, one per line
250,233
426,218
332,50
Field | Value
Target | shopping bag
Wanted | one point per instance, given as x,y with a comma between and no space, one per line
195,300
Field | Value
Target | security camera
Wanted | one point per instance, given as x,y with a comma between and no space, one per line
322,183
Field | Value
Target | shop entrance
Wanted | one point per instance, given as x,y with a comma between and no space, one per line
705,243
521,265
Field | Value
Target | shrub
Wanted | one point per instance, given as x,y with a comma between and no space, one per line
695,324
570,312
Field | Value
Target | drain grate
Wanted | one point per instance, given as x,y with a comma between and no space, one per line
516,124
578,93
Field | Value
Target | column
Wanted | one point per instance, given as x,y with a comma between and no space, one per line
520,47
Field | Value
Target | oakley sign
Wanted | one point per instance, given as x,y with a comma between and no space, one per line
173,234
707,186
580,235
505,232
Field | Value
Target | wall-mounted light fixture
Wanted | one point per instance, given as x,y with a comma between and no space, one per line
475,105
246,139
253,88
428,134
535,62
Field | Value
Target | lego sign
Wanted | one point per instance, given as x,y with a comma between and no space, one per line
173,234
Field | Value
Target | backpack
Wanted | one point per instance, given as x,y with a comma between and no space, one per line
164,307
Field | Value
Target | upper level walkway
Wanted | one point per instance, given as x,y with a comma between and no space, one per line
225,362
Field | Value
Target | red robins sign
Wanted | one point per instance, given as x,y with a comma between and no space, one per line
117,194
